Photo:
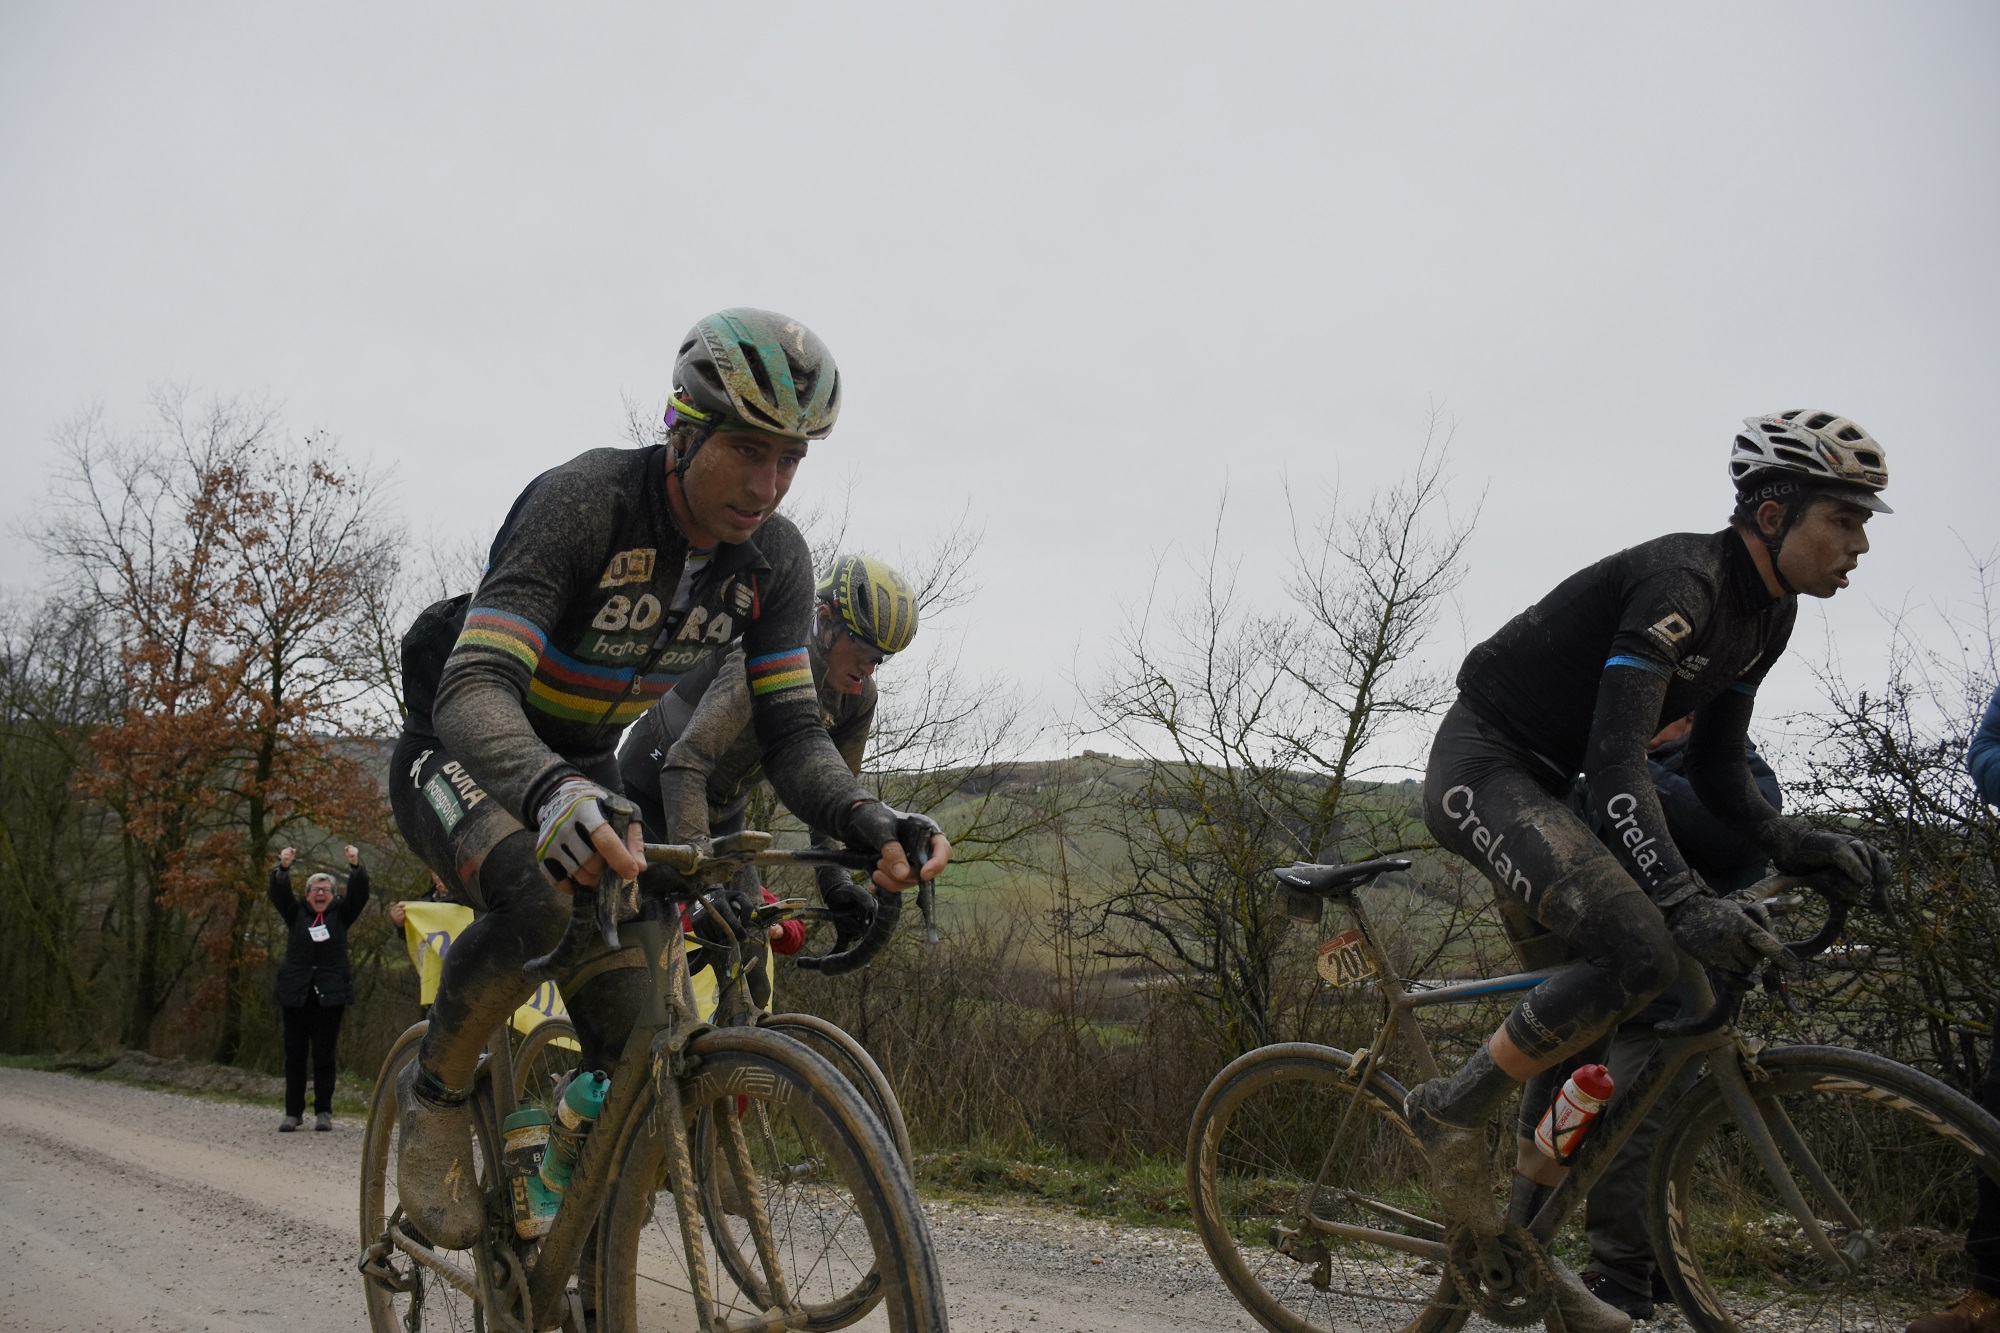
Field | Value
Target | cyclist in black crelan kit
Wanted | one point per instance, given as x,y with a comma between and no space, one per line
614,575
1687,623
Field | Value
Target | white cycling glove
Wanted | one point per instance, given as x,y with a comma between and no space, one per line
573,811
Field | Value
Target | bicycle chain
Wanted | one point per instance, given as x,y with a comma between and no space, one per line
1533,1293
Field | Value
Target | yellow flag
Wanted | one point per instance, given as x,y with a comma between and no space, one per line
429,929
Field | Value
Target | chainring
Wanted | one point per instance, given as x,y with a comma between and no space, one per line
1506,1279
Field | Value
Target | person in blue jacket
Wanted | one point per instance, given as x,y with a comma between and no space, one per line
1978,1311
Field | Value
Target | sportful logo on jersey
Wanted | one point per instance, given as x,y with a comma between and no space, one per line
1671,629
635,566
780,671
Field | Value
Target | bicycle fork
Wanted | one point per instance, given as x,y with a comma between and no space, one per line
1767,1126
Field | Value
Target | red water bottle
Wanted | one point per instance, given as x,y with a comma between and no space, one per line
1572,1112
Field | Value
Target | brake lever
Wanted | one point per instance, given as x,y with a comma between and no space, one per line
927,904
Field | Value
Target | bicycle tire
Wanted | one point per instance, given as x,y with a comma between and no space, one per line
833,1044
1901,1148
543,1060
425,1300
1257,1150
852,1062
832,1231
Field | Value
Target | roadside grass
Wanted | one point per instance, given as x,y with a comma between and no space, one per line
1152,1193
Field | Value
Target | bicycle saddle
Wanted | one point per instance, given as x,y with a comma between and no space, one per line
1326,880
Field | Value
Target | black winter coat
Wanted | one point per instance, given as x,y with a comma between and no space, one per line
309,964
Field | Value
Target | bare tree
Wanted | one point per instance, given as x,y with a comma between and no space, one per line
1253,731
1888,762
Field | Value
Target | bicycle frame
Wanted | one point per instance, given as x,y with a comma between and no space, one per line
1639,1090
652,1055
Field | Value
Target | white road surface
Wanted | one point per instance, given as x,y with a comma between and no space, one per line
123,1208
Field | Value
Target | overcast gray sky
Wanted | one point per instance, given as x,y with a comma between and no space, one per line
1081,264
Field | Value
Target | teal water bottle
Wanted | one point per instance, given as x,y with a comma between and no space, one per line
526,1134
576,1111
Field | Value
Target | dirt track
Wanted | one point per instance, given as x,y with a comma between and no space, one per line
122,1208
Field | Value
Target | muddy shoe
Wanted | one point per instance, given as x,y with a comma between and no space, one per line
289,1125
434,1171
1461,1163
1615,1293
323,1122
1578,1311
1974,1312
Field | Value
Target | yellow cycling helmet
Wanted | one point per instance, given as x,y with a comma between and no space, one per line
872,600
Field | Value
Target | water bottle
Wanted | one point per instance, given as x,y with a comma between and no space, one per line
526,1134
582,1098
1572,1112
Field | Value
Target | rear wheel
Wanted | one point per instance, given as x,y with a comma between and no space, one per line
1889,1161
1283,1144
848,1230
549,1054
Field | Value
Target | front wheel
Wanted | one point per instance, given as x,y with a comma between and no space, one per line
1283,1144
847,1228
1889,1160
404,1296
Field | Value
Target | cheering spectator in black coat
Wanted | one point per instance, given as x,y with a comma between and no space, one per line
314,987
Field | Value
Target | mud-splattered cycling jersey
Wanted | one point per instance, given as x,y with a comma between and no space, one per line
1690,608
579,595
690,763
1583,678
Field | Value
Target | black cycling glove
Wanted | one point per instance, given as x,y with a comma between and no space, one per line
872,826
1724,936
1844,868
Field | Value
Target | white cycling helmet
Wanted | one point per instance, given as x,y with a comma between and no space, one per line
1814,449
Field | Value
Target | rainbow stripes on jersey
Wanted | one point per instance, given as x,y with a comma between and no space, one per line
558,684
780,671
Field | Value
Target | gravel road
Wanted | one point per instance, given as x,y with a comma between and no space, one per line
124,1208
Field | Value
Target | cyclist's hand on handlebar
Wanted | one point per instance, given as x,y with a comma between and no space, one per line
579,834
1724,937
876,826
1844,868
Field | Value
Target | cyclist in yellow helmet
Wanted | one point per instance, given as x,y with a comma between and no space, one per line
690,763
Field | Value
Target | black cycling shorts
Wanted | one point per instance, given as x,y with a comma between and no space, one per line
1561,892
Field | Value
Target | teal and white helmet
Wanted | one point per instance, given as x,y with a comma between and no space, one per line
757,369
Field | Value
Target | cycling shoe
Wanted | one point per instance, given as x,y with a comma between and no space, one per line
1578,1310
1461,1162
435,1176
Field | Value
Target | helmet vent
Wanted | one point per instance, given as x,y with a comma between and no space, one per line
1745,442
1868,460
759,371
1819,419
1799,456
1850,434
